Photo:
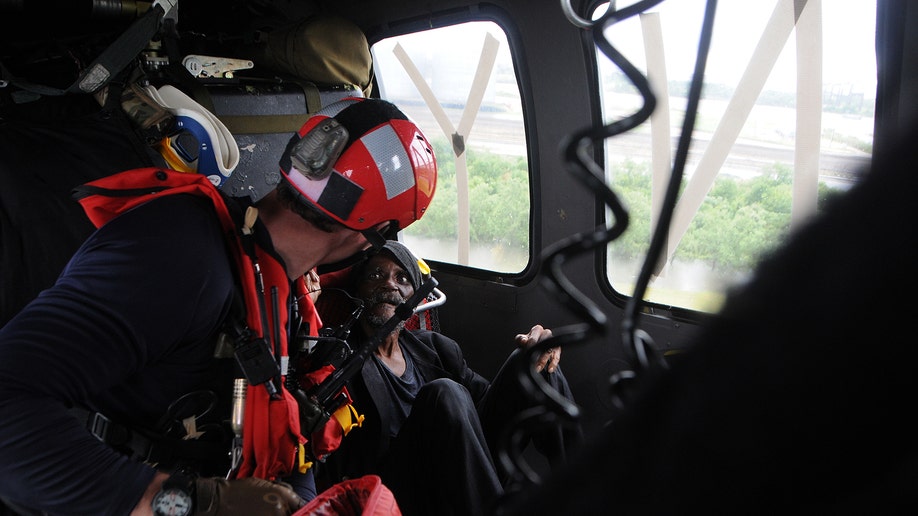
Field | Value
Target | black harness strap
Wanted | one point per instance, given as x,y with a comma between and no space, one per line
144,446
111,61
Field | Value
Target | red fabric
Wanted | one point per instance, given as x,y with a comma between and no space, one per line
366,496
272,426
307,307
150,183
271,435
314,377
326,440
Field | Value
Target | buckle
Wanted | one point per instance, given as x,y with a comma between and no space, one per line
99,426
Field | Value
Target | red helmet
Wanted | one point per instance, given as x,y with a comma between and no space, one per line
361,161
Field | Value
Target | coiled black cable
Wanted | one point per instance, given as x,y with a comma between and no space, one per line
550,408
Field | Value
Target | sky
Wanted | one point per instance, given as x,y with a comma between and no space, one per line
848,40
848,50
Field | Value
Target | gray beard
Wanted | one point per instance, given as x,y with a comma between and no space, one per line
377,321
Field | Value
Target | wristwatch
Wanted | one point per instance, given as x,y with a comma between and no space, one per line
176,497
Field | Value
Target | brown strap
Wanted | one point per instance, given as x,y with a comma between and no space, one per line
263,124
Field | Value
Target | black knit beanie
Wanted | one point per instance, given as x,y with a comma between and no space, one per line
405,259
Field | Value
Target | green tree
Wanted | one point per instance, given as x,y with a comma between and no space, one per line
739,220
631,182
499,199
439,222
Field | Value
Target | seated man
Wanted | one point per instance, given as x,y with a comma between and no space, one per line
429,430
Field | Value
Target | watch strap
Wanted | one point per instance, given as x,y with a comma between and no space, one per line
183,479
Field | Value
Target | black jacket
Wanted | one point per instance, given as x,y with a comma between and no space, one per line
436,356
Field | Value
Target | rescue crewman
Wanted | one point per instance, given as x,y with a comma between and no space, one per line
111,398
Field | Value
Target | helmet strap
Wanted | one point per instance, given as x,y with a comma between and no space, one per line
378,238
375,238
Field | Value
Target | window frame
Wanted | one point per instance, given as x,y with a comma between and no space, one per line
494,14
605,261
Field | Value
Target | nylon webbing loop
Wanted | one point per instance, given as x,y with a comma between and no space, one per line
111,61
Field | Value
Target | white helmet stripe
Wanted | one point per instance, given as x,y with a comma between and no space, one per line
394,165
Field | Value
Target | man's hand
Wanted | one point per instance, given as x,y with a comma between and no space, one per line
550,358
246,496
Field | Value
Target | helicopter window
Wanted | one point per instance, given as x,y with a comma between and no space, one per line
785,121
459,85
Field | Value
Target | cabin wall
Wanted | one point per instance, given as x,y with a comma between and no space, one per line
485,311
556,74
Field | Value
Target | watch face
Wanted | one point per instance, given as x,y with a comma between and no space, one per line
172,502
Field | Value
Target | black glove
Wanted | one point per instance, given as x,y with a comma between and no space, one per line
245,496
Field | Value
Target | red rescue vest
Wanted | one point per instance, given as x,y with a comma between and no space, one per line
271,436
